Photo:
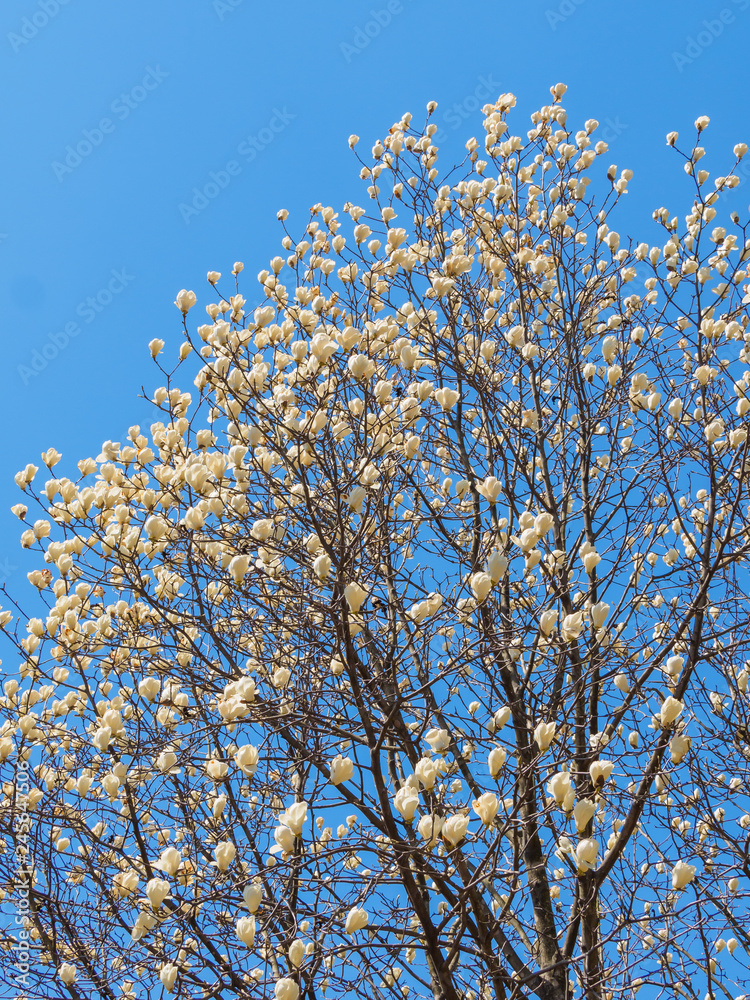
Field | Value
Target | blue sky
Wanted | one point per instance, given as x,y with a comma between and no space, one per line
147,143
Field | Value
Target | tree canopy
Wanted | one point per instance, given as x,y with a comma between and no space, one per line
406,655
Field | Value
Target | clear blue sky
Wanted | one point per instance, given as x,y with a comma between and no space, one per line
116,115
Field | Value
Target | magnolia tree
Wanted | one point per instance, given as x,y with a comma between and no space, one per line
406,656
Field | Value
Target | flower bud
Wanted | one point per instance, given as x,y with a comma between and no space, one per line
586,854
224,853
296,952
583,813
438,739
406,801
486,807
454,829
67,973
495,760
168,976
245,930
559,786
356,919
246,758
157,890
670,709
185,301
252,895
682,875
430,827
295,817
286,989
544,734
355,596
341,769
481,584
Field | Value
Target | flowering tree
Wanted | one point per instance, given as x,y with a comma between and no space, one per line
405,658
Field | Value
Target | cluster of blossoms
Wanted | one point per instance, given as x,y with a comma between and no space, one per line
406,655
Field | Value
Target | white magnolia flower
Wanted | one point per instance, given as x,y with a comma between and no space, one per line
245,930
439,739
356,919
295,817
341,769
454,829
486,807
682,875
544,734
